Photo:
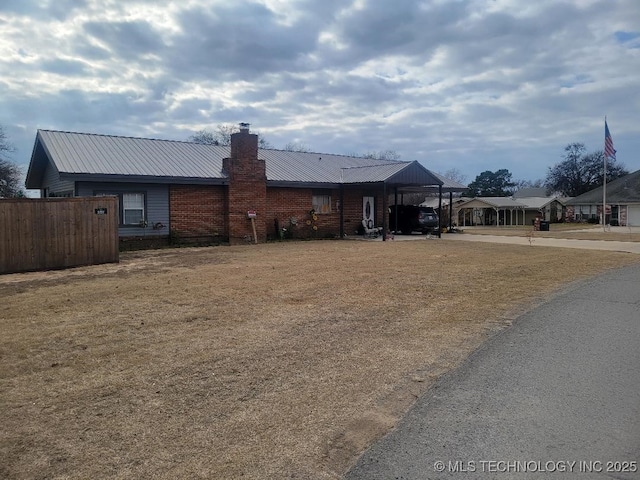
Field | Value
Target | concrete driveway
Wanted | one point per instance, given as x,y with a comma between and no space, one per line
610,245
615,246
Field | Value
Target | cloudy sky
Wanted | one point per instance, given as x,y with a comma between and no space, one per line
468,84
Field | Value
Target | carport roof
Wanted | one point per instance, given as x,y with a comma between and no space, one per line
92,157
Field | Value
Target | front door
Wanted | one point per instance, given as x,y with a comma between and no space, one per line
368,211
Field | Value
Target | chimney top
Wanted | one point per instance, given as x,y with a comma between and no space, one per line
244,127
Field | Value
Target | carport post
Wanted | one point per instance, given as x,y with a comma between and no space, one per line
450,209
439,211
341,210
385,208
395,205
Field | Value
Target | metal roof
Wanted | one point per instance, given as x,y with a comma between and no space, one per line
530,192
81,153
538,202
495,202
105,157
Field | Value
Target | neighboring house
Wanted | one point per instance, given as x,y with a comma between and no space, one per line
201,192
550,209
491,211
623,202
510,210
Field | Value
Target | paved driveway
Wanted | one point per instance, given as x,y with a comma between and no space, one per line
630,247
556,395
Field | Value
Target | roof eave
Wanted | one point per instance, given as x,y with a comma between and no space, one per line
101,177
296,184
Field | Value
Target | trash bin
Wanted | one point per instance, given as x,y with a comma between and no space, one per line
544,226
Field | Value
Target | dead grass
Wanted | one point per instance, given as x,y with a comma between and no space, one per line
272,361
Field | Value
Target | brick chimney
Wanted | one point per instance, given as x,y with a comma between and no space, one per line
247,191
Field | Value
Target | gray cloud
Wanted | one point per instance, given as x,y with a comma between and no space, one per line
58,9
239,42
127,39
453,84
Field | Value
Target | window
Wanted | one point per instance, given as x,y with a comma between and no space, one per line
132,208
321,203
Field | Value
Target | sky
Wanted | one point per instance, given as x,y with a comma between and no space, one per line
471,85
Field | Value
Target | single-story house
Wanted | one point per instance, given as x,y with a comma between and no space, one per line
235,193
623,202
491,211
509,210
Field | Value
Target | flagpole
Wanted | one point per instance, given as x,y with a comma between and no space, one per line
604,184
609,152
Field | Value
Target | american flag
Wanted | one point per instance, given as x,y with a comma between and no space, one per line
609,151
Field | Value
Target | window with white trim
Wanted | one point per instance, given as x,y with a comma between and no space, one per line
132,208
321,203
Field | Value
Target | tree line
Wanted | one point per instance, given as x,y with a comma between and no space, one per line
579,172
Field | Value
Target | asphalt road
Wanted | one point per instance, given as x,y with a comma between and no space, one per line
556,395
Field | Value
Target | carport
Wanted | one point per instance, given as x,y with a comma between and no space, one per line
448,186
395,178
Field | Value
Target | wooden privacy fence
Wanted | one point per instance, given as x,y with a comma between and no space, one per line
48,233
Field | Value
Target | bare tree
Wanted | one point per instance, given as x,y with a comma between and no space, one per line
580,171
537,183
455,175
10,173
382,155
222,136
297,147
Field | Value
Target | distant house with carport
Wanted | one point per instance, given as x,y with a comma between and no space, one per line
491,211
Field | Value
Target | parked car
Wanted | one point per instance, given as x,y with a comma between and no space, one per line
412,218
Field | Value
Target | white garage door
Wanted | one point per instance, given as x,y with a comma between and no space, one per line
633,215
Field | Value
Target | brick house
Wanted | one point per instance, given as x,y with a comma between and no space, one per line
623,203
203,193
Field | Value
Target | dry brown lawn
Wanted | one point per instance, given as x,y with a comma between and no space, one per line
282,360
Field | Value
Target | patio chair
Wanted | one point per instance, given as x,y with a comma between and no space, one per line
369,230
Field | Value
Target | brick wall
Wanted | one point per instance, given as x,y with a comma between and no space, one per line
247,189
287,205
205,213
198,212
353,208
570,213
